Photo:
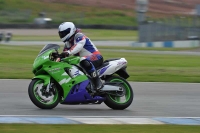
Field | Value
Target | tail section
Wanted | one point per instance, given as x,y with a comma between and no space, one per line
112,66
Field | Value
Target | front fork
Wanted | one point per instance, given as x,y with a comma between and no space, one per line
47,85
45,78
47,82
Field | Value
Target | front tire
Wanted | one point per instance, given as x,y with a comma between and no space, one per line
116,102
42,99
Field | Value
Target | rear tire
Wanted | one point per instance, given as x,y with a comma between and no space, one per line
114,101
41,100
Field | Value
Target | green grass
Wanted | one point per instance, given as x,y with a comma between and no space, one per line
93,34
29,128
161,68
16,63
21,11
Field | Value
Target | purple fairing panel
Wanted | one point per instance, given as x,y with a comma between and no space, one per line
79,94
104,69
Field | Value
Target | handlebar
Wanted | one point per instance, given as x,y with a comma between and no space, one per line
55,56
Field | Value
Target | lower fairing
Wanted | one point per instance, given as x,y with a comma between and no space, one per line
79,95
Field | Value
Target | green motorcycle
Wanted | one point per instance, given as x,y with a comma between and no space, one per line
65,82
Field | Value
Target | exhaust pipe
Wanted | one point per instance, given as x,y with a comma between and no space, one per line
111,88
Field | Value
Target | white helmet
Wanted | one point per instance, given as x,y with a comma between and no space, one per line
66,30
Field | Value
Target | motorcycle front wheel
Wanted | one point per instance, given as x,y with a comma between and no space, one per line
41,97
124,99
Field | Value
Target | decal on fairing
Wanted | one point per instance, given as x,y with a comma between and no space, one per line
121,63
54,69
64,74
76,73
64,81
104,69
45,57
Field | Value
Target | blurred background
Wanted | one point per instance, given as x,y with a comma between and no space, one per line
165,25
156,20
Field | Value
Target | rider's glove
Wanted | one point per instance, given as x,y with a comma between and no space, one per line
64,54
54,54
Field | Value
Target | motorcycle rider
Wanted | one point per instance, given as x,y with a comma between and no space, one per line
76,43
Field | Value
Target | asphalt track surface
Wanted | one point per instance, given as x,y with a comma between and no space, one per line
150,100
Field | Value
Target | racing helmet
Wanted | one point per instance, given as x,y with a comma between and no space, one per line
66,30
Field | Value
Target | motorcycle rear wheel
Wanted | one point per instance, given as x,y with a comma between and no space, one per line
40,98
116,102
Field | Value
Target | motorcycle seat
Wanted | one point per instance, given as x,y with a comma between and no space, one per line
106,62
111,59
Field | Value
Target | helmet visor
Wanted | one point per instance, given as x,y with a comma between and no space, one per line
63,33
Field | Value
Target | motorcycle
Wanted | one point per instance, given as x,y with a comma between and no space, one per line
65,82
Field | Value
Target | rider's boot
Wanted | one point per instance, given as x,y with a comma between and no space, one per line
91,70
96,80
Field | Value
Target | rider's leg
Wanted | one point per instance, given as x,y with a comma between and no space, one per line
91,70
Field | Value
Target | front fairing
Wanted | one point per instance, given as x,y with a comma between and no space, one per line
46,69
43,55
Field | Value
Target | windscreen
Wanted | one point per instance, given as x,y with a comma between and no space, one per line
49,47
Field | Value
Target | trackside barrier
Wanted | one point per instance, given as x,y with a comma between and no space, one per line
168,44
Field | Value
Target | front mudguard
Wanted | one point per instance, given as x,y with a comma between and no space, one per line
45,78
